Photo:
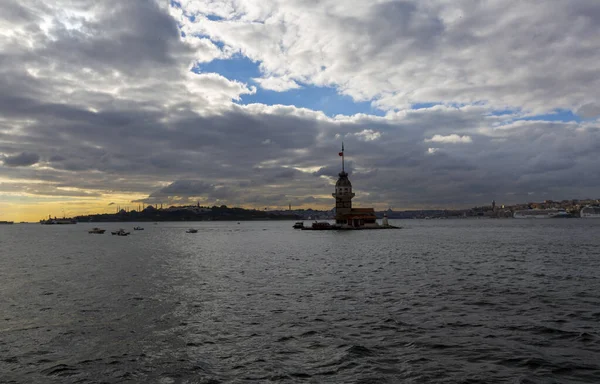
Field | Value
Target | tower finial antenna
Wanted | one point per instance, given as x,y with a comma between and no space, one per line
342,154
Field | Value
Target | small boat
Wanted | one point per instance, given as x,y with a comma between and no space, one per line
299,225
191,230
138,228
97,230
321,226
120,232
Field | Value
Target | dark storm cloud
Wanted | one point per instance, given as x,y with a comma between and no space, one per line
184,188
56,158
334,170
129,36
277,175
23,159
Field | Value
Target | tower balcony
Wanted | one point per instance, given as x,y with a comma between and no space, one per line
343,194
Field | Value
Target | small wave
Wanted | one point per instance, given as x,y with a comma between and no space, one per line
481,303
60,370
87,361
371,380
586,337
300,375
557,333
548,331
531,363
440,346
463,325
396,322
11,360
359,351
285,338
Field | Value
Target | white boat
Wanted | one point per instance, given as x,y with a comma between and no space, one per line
97,231
541,214
120,232
191,230
590,212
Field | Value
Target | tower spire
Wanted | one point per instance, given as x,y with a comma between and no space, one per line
342,154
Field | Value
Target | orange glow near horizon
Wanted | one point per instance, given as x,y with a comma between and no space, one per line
29,208
35,210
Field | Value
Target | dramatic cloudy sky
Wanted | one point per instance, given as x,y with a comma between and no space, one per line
439,103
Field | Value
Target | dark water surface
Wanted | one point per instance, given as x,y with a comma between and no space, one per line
440,301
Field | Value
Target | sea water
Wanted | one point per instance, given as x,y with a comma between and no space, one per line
438,301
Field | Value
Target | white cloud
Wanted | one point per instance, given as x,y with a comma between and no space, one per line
277,84
368,135
215,87
450,139
398,53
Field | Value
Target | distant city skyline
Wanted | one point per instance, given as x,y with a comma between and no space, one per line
246,103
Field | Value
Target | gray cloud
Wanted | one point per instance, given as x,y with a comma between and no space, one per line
589,110
23,159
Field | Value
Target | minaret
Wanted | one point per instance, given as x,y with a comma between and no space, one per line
343,194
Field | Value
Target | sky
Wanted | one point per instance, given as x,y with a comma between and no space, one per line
439,103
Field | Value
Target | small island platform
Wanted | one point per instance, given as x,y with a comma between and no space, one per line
324,226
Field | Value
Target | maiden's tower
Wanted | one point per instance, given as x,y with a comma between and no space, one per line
347,217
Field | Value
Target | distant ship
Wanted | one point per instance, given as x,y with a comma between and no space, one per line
590,212
64,220
541,214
